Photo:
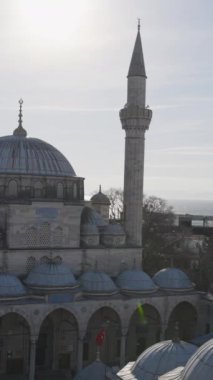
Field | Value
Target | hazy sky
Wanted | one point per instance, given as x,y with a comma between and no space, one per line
69,59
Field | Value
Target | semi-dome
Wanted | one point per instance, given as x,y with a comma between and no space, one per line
172,279
90,216
135,281
51,276
11,286
22,155
158,359
97,283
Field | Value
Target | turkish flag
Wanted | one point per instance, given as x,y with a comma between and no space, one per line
100,337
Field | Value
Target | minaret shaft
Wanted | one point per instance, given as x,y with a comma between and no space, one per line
135,118
133,186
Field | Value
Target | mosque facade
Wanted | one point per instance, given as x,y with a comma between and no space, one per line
66,272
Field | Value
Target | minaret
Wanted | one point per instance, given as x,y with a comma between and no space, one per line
135,118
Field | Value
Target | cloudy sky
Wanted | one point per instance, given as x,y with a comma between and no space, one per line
69,59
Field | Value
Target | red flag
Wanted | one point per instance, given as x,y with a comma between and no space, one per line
100,337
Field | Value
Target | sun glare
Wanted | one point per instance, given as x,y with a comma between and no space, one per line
50,21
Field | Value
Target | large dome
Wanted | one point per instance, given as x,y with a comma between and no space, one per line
22,155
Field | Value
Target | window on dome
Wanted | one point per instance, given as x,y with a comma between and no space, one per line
12,189
60,191
75,191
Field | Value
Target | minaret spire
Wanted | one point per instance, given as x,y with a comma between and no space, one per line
137,66
20,131
135,118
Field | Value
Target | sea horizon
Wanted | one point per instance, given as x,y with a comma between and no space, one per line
191,206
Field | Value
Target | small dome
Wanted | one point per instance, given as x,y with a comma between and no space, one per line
132,281
51,276
96,370
200,365
11,286
172,279
113,229
159,359
97,283
90,216
100,198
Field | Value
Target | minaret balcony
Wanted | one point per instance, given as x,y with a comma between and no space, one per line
133,116
133,111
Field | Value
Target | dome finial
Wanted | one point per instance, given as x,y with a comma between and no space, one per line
20,131
99,188
20,113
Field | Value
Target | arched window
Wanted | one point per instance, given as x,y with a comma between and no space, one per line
12,189
38,190
60,191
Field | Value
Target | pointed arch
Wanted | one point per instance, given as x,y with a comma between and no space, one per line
143,332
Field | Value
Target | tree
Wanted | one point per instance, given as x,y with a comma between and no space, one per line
116,203
159,235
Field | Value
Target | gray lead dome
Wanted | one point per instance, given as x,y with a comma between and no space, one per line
11,286
22,155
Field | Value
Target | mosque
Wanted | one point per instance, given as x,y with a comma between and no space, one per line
66,272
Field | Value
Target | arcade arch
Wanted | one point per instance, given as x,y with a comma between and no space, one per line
57,342
142,332
104,318
186,316
14,344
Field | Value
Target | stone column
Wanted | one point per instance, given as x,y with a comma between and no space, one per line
32,357
123,350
